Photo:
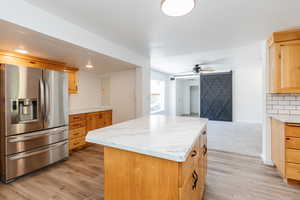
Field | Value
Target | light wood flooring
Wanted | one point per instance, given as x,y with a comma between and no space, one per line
230,177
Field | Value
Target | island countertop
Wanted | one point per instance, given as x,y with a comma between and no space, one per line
167,137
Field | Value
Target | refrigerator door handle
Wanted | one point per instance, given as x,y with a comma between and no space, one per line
42,98
47,100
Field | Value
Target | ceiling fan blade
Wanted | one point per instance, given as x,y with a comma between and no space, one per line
207,69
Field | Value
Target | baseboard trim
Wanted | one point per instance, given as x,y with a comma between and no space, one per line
266,161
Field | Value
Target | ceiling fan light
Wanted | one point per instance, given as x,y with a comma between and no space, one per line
175,8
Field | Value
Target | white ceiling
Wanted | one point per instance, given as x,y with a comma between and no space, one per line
214,24
13,36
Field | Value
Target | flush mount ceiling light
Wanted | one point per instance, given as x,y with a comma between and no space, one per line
175,8
23,51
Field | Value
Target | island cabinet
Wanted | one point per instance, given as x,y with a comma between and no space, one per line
286,149
80,124
284,62
135,176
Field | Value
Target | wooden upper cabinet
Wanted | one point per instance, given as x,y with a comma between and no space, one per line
284,64
274,68
73,82
290,66
12,58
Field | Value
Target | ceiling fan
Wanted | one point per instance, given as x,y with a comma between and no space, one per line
198,68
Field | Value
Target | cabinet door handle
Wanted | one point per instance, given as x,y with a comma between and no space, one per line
195,177
288,138
205,150
194,153
204,133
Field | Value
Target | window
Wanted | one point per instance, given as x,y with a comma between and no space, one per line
157,96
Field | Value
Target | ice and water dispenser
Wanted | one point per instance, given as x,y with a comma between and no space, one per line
24,110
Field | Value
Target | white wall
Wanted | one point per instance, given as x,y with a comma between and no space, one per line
116,89
89,92
247,94
105,91
142,86
121,93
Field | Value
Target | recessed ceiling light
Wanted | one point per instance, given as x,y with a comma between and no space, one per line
89,66
23,51
175,8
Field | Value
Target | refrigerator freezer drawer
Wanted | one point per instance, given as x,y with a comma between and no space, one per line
25,142
23,163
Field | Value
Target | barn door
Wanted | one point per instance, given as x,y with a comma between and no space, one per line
216,96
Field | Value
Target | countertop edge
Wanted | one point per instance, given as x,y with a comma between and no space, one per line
149,153
89,110
286,118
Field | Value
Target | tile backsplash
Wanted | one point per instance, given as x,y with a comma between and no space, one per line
285,104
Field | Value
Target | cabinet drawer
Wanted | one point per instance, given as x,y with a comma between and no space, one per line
293,171
292,130
79,132
193,188
191,163
76,125
77,142
76,118
292,143
293,156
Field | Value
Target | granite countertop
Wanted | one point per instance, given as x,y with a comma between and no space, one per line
287,118
167,137
89,110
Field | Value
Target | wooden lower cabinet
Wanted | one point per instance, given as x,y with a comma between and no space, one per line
286,149
81,124
134,176
95,120
77,131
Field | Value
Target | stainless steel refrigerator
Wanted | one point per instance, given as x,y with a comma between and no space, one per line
34,119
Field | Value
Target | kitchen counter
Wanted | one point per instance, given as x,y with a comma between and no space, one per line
287,118
90,110
166,137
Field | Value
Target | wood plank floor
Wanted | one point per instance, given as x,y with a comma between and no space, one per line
230,177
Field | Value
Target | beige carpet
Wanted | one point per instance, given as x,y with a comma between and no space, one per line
243,138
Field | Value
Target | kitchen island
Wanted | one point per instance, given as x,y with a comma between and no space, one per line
154,157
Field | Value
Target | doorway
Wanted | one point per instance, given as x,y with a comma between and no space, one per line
194,100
